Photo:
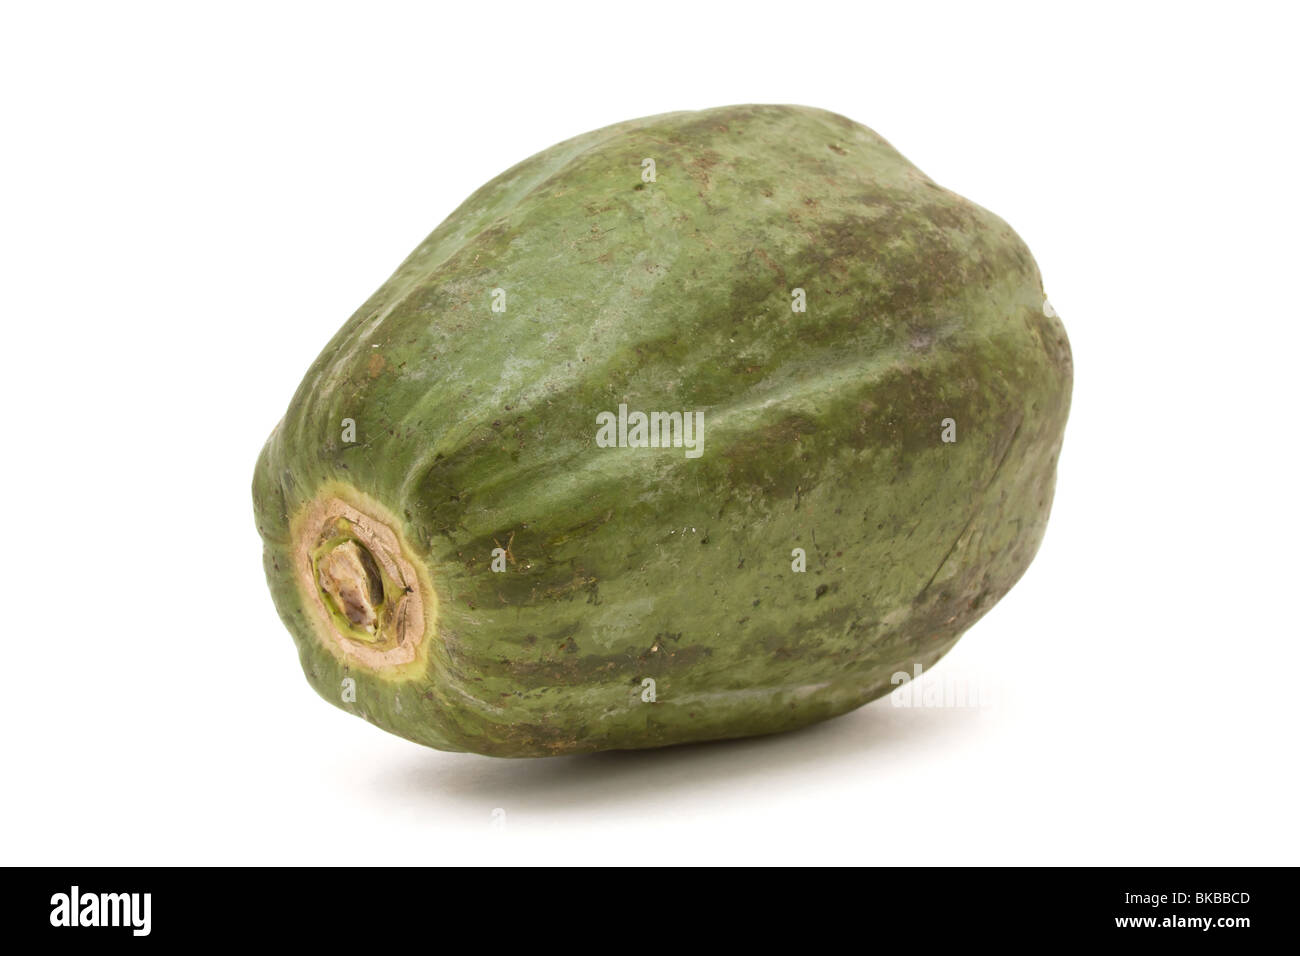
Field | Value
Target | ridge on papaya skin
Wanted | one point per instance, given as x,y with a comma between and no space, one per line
470,549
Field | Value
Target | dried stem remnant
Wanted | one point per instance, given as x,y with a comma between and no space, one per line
343,575
361,593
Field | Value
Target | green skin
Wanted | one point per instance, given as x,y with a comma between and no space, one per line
823,431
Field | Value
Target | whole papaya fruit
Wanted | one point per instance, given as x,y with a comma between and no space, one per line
697,426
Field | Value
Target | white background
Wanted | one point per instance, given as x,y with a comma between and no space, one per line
194,200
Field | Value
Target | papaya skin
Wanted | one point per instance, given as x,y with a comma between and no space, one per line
476,429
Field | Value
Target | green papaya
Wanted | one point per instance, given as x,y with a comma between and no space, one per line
698,426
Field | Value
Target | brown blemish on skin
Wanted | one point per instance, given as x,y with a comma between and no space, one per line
510,557
771,264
